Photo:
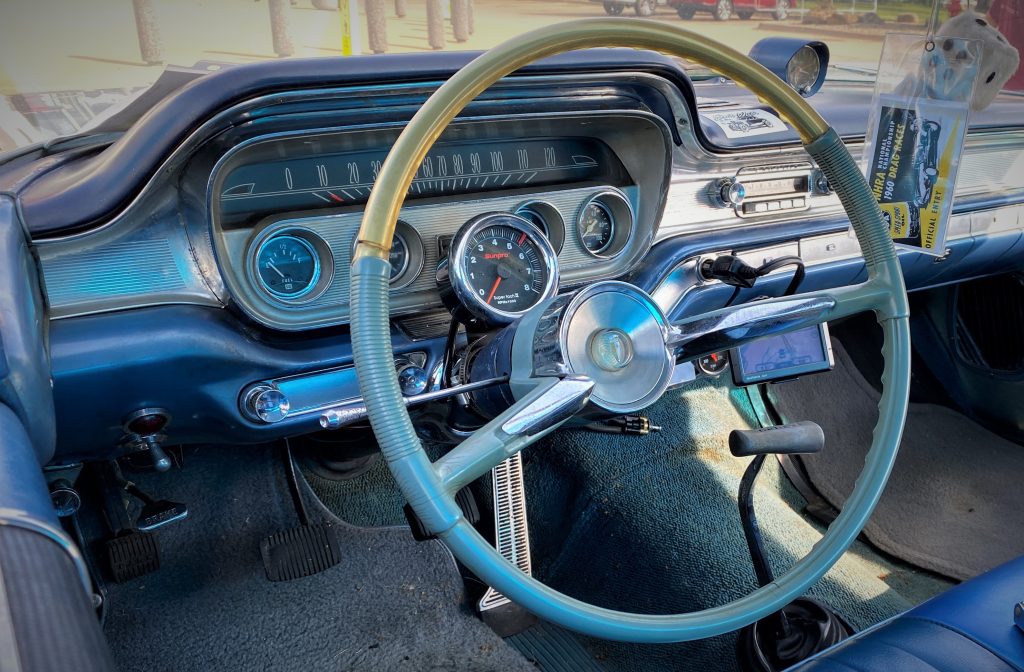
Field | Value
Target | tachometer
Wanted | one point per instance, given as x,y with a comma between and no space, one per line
500,266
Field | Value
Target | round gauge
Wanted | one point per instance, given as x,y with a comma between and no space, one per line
287,266
501,266
713,364
405,257
533,217
604,225
547,218
597,227
803,69
399,256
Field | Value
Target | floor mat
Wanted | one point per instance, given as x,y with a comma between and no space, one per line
953,501
371,499
651,525
391,603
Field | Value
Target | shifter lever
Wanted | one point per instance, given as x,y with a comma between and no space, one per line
804,626
799,438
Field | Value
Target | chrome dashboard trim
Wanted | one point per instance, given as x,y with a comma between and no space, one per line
828,248
193,262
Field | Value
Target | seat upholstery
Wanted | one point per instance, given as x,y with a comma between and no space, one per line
969,627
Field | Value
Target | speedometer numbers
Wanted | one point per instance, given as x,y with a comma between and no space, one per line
499,266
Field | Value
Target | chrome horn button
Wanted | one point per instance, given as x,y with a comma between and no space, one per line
614,333
611,349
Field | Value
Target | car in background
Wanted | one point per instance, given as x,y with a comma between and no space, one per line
723,10
641,7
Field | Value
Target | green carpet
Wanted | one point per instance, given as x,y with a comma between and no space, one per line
651,525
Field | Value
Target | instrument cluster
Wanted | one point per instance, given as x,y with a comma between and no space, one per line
286,211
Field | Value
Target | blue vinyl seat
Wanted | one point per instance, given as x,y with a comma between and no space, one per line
968,628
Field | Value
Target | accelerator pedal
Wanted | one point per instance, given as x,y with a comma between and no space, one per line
131,554
300,551
512,536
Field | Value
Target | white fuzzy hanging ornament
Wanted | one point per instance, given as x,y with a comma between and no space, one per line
999,59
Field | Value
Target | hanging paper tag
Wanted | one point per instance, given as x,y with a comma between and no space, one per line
912,168
916,134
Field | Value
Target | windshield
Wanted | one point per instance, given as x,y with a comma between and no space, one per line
65,64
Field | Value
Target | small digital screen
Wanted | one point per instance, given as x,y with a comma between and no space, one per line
783,356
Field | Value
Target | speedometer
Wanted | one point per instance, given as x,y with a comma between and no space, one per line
500,266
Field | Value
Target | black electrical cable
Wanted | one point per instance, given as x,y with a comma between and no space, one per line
449,353
293,484
735,293
789,260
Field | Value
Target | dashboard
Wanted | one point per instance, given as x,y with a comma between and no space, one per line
285,210
208,260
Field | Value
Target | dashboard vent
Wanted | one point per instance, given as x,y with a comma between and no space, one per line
990,323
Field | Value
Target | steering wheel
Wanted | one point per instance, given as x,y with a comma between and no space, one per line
554,376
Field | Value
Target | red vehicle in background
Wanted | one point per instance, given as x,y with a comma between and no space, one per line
723,10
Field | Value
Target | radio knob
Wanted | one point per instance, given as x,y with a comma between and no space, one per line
267,404
729,191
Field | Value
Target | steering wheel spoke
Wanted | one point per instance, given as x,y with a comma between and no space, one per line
734,326
541,410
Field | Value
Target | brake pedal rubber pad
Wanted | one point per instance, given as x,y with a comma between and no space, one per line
300,551
131,555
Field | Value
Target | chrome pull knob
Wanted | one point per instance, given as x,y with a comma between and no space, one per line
265,403
729,191
412,380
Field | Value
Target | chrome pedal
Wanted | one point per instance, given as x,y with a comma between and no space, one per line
512,538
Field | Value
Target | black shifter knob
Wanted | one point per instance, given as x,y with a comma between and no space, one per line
799,438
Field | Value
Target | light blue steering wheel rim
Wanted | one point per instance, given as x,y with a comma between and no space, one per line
416,476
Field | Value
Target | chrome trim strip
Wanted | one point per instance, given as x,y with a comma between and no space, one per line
22,519
511,529
339,415
562,401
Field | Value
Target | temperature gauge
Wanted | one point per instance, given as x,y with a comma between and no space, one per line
713,364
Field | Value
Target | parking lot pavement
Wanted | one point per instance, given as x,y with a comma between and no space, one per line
93,44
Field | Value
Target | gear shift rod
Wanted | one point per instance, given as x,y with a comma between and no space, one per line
804,626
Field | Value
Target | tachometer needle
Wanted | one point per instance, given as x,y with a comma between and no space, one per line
497,281
270,264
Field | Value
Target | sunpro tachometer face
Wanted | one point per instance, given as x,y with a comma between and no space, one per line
501,266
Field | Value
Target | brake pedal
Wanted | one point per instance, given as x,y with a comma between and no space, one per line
156,514
131,554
